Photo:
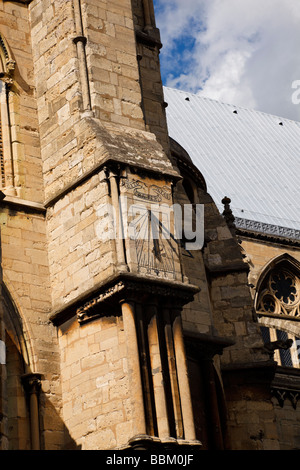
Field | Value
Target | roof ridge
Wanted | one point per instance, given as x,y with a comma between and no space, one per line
237,107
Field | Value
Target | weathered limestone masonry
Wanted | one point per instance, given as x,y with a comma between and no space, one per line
222,333
23,171
265,253
94,147
246,367
112,342
30,340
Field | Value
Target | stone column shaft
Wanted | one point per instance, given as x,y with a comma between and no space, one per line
139,421
120,248
3,398
32,386
9,171
80,42
173,375
147,16
213,402
183,381
157,374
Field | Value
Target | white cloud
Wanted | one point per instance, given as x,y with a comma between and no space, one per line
244,52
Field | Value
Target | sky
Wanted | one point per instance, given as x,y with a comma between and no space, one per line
241,52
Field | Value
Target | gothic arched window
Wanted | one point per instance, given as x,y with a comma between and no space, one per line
278,309
278,289
280,293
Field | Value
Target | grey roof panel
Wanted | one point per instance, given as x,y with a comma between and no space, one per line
249,156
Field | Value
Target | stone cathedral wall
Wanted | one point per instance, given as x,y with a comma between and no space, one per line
87,125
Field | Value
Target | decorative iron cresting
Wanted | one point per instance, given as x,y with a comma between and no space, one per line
268,229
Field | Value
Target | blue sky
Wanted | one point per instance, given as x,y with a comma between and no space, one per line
239,52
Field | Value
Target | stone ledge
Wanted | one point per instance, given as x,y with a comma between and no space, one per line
226,268
22,204
107,295
107,162
204,346
150,39
265,237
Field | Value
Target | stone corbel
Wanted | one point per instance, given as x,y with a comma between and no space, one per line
279,344
7,75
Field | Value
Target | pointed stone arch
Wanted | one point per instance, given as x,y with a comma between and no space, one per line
15,365
20,384
15,328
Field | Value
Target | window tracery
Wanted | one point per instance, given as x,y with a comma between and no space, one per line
280,294
278,309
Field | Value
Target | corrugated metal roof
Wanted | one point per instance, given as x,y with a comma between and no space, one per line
249,156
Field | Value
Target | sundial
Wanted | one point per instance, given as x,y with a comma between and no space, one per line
155,245
156,250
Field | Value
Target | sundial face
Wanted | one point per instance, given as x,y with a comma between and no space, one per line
153,249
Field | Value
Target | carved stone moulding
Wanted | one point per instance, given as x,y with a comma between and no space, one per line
135,290
284,394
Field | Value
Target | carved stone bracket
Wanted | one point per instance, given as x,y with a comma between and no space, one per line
272,346
92,309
